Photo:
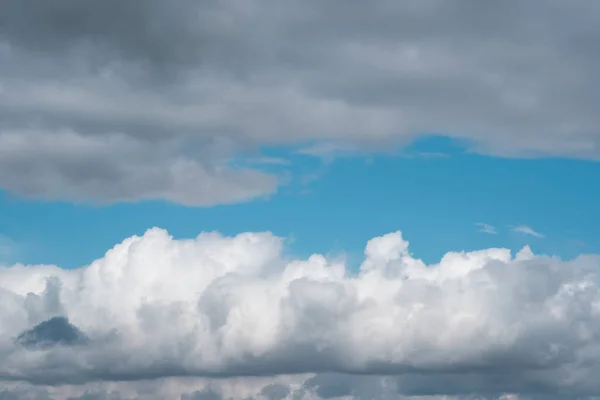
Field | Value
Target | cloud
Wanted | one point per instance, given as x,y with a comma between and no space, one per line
486,228
97,104
527,230
52,332
236,309
102,169
315,387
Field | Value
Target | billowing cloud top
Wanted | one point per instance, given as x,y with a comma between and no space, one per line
235,307
122,100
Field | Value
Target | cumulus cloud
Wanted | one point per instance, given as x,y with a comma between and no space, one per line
527,230
121,101
236,309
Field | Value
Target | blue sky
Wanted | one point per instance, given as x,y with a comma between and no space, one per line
435,192
467,126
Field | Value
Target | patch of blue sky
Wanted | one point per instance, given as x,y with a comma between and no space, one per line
435,192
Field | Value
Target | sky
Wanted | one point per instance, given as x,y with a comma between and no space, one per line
298,200
441,197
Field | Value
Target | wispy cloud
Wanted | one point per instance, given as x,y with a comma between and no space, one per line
270,160
527,230
425,154
486,228
327,151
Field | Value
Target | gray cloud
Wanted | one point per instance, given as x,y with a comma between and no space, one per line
275,391
314,387
122,101
205,394
52,332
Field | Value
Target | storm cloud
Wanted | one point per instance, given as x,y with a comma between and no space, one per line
104,101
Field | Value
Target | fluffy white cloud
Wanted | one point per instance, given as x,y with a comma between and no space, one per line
112,100
232,308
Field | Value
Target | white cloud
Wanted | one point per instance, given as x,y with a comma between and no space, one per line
486,228
158,110
234,307
527,230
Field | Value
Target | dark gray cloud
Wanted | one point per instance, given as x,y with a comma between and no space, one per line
121,101
53,332
205,394
275,391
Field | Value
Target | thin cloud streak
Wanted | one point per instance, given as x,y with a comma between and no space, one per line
486,228
528,231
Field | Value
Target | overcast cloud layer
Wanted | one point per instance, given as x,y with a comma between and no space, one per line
104,101
233,308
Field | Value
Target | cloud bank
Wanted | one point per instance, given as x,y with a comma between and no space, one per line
237,309
120,101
